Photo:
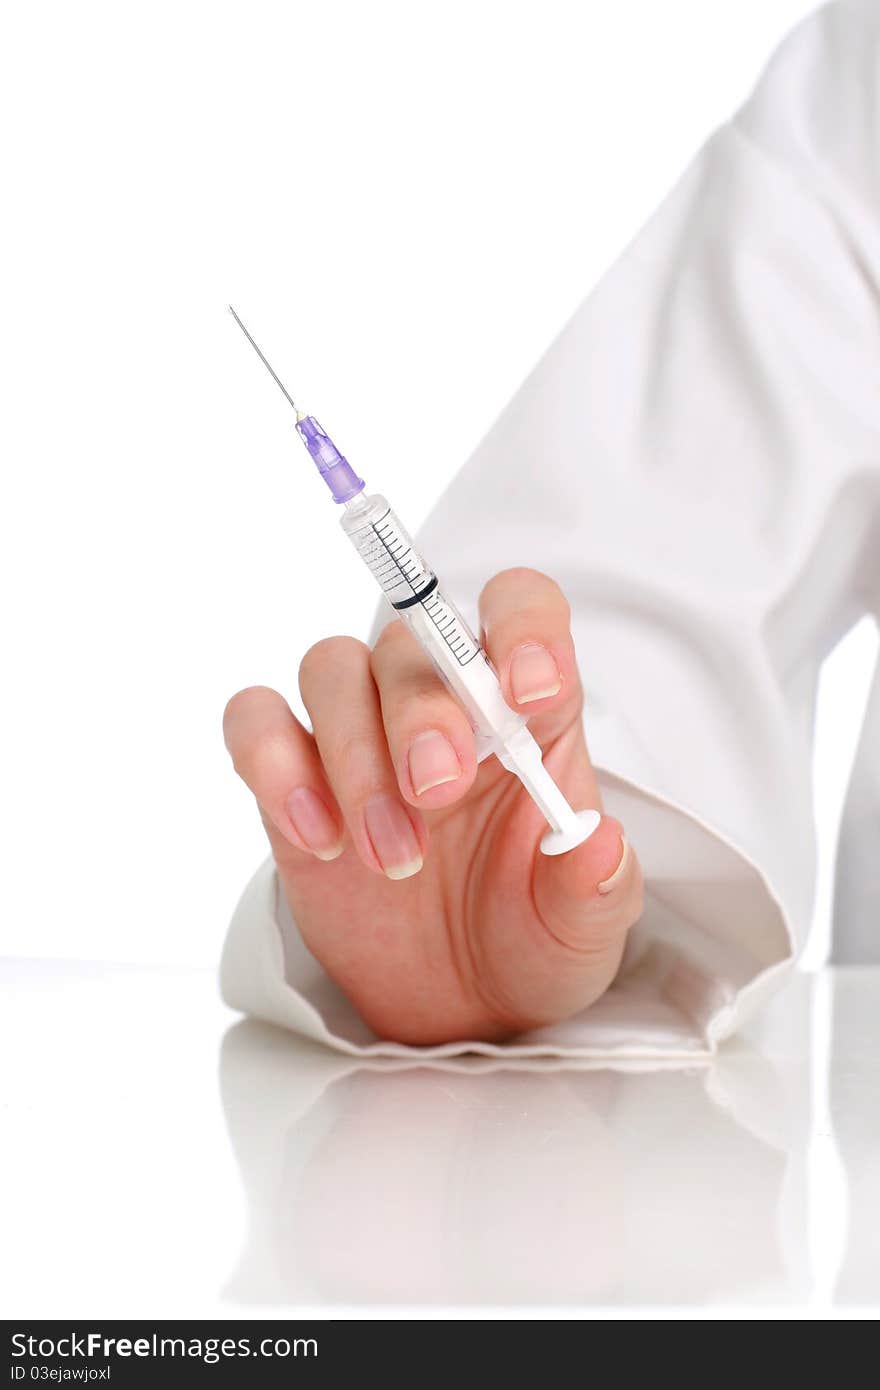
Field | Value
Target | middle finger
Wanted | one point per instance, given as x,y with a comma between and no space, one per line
431,741
341,697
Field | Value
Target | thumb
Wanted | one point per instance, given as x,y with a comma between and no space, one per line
561,957
593,894
587,901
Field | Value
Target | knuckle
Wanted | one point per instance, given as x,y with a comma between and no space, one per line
243,701
256,762
548,591
395,651
391,635
421,704
557,597
406,677
521,575
525,581
355,755
414,697
328,653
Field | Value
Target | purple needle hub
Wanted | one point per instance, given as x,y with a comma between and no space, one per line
334,468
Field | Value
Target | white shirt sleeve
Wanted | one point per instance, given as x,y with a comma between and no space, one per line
697,461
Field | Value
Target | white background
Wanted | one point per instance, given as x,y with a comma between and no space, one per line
405,202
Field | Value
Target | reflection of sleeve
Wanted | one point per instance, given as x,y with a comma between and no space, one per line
697,461
857,889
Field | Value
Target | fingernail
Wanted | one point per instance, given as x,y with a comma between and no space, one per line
392,837
534,674
611,883
432,761
314,824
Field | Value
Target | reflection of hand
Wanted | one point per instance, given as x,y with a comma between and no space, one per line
490,937
436,1187
469,1183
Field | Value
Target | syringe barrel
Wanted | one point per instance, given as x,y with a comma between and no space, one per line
411,588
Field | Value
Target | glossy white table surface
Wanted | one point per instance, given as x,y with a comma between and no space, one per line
161,1158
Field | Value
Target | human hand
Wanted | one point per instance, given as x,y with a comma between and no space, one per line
415,875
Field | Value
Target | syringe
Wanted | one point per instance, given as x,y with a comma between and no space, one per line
414,594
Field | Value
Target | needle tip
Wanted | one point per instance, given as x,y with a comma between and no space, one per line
271,370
